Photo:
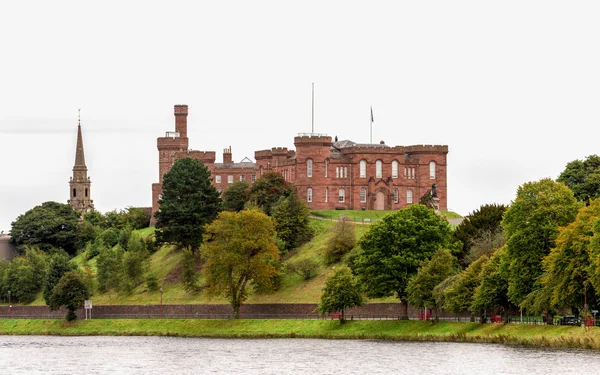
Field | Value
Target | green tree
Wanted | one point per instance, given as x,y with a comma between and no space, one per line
395,246
492,291
531,224
58,264
583,177
482,222
25,274
239,250
109,264
236,196
189,275
342,239
307,268
189,202
266,191
137,217
135,263
291,221
50,225
341,292
70,292
95,218
458,296
432,272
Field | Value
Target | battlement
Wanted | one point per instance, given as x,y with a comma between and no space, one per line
201,154
423,149
262,154
180,109
170,143
279,151
312,139
383,149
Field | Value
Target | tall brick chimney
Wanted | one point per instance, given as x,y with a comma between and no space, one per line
181,113
227,158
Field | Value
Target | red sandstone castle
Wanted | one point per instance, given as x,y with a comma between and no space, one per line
327,175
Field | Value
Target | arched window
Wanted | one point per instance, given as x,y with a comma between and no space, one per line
378,169
326,165
341,196
409,196
363,169
86,192
308,167
74,193
363,195
326,194
309,195
432,169
395,169
395,195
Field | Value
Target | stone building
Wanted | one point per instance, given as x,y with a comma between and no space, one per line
80,192
327,174
7,249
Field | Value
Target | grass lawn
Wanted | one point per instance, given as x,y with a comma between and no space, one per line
365,216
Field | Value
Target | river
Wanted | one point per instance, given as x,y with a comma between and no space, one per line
164,355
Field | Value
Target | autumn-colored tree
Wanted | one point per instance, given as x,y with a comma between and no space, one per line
458,296
239,250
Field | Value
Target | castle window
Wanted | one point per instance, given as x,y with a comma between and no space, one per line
326,194
218,179
409,196
379,169
395,169
341,196
309,195
74,193
363,195
326,165
253,178
261,170
432,169
412,173
363,169
405,172
395,195
309,168
242,177
86,192
337,172
230,179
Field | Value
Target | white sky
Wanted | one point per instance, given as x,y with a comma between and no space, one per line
511,86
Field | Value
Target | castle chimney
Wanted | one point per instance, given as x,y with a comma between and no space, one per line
227,159
181,113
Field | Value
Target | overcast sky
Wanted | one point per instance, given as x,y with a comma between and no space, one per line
513,87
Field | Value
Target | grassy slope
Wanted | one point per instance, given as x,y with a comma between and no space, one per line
556,336
372,215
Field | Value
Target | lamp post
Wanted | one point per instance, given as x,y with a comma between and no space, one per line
161,307
585,306
9,306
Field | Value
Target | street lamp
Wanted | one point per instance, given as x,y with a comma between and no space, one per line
9,306
161,306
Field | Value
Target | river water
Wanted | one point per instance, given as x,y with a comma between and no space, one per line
164,355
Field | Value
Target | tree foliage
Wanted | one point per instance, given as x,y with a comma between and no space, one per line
306,267
189,202
583,178
70,292
109,267
479,223
394,247
341,292
24,275
239,250
458,295
531,225
58,264
342,239
135,263
266,191
431,272
291,221
50,225
492,292
236,196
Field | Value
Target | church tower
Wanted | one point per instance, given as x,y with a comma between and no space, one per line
80,184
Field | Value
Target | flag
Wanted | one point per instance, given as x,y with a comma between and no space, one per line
372,120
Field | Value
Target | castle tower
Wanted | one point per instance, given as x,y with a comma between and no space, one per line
80,184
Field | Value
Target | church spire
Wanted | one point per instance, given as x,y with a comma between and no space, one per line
79,154
80,184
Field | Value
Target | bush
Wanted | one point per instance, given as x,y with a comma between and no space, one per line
341,240
152,282
307,268
189,275
110,237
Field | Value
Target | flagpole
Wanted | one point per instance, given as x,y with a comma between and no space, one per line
371,127
313,107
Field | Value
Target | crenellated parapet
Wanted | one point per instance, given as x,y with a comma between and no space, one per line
312,139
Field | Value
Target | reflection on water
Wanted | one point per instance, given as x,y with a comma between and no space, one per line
164,355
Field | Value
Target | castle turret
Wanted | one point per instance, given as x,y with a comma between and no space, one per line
80,184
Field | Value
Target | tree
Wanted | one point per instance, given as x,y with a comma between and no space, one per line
267,190
24,275
50,225
432,272
189,202
239,250
291,221
71,293
109,265
482,222
58,264
342,239
492,292
236,196
583,177
531,224
341,292
395,246
458,296
135,263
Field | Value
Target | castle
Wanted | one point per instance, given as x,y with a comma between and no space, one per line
327,174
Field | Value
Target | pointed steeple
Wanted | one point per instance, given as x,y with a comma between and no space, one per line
79,154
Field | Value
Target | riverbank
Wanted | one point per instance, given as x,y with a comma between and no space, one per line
512,334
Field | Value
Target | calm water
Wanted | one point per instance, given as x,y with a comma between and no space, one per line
160,355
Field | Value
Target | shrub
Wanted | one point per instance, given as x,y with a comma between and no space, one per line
341,240
307,268
152,282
